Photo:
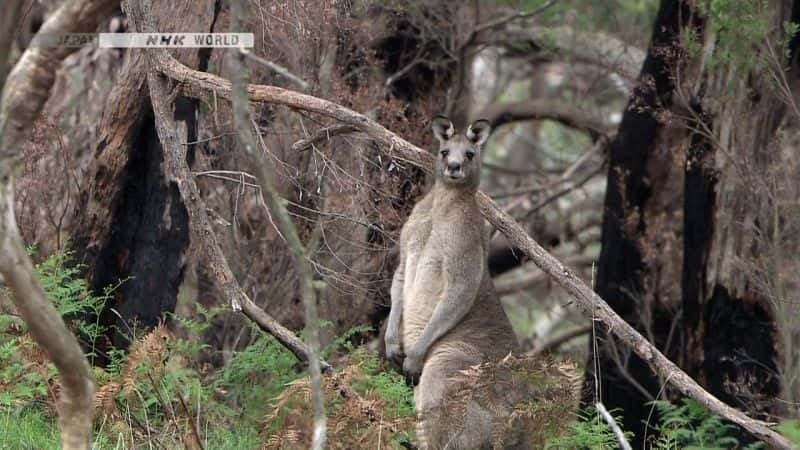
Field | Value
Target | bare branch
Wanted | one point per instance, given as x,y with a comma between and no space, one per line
503,113
201,84
594,48
202,231
623,443
25,92
322,135
511,17
277,68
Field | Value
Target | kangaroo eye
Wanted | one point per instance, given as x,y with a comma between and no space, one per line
470,155
444,153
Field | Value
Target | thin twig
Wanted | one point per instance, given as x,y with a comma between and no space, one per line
322,135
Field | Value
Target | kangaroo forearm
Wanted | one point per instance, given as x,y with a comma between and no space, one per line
395,320
448,313
396,312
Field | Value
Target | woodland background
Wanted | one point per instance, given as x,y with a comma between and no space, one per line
649,145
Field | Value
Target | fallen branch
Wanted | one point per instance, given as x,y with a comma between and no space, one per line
179,173
24,94
203,85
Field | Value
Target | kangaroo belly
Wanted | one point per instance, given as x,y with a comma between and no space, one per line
420,299
485,333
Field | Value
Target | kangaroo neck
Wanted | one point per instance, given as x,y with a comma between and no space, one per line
445,197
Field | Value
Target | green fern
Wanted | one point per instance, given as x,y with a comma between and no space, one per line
691,426
590,432
388,384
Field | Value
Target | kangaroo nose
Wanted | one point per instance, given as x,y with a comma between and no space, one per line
454,166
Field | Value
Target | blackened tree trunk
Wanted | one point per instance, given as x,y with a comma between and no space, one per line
695,215
638,272
131,224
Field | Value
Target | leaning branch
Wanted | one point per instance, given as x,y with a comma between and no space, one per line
24,94
203,84
178,172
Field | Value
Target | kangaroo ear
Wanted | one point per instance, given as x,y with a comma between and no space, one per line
479,131
442,128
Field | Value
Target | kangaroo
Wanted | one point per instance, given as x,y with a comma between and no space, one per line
445,316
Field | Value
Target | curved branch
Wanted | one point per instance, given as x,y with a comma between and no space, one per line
504,113
200,84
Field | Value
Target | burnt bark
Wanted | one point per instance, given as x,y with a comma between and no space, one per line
148,237
144,239
710,141
635,268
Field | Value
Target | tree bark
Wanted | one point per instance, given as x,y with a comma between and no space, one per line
10,13
734,220
129,223
708,132
638,270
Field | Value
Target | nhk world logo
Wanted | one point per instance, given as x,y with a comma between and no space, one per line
146,40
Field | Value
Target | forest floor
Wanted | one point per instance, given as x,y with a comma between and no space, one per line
156,394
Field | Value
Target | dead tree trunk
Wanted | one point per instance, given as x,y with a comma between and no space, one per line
130,223
735,220
638,269
694,215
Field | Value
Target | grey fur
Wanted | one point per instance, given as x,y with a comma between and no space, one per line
445,314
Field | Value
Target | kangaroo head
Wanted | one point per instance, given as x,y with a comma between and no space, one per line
458,161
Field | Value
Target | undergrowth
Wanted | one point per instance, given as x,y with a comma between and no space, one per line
154,396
